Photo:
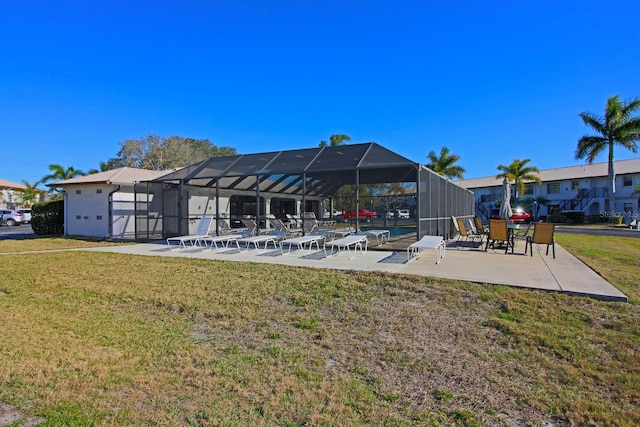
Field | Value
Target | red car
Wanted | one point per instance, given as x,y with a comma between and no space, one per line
362,213
517,215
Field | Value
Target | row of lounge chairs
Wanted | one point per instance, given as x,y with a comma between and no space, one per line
279,236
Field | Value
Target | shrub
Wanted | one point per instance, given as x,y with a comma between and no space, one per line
617,220
596,219
48,217
557,217
575,217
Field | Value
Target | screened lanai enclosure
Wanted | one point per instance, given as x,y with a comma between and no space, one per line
295,182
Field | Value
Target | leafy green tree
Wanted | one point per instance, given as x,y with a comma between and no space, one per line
335,140
617,127
159,153
518,172
445,164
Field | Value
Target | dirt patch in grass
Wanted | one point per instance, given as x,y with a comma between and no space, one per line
34,244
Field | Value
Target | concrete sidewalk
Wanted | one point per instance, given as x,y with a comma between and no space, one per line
564,274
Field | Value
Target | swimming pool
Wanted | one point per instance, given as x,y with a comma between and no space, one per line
393,231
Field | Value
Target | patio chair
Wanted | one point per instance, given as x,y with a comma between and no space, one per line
473,230
522,234
464,234
278,225
499,234
357,241
225,228
203,230
222,241
542,235
293,220
301,241
272,237
454,220
480,226
427,242
250,225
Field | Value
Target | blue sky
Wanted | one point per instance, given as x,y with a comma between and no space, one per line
491,80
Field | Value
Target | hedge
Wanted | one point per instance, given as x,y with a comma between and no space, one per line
48,217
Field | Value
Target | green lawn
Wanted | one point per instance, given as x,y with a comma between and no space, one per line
108,339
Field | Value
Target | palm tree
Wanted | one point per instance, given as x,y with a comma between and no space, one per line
30,193
59,173
445,164
104,166
616,127
335,140
518,172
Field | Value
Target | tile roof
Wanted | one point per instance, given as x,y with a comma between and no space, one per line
12,185
117,176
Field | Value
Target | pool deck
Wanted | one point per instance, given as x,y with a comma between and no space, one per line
565,273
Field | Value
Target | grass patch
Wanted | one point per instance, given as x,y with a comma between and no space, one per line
111,339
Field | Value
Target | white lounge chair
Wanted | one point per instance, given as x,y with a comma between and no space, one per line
381,236
427,242
223,240
300,242
289,231
273,237
357,241
204,227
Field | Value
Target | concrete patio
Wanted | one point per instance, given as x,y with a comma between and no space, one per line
564,274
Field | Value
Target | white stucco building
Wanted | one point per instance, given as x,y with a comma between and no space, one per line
8,199
102,204
583,188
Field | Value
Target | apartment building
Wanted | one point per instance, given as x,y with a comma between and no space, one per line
583,188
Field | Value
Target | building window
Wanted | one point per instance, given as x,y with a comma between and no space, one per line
78,217
628,207
553,187
99,191
528,189
78,191
99,217
575,185
626,181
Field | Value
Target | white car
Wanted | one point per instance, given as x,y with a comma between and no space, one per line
400,214
26,213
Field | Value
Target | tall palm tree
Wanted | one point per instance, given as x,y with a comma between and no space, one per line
518,172
618,126
445,164
335,140
60,173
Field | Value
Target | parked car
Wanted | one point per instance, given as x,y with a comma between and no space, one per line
12,217
400,214
327,214
27,215
518,215
362,213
